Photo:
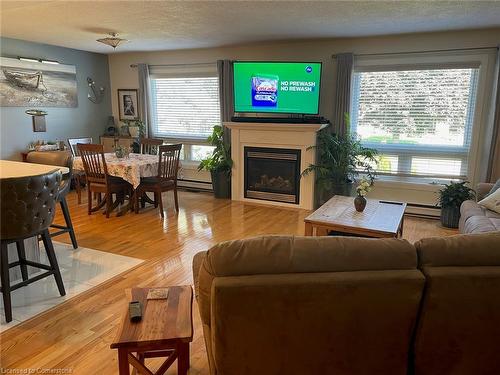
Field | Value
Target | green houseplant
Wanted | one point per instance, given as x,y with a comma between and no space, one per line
451,198
219,164
135,127
340,159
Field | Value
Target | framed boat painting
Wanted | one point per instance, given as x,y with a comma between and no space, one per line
36,84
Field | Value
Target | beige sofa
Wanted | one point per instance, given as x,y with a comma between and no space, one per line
335,305
477,219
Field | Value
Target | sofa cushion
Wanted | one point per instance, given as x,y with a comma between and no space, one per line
458,328
288,254
492,202
275,255
494,188
327,300
481,249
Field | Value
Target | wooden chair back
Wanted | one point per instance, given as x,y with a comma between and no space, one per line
150,145
169,161
94,163
72,142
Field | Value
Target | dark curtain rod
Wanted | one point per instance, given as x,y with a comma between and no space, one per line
204,63
415,52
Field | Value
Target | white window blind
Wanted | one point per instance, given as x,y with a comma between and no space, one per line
420,120
185,107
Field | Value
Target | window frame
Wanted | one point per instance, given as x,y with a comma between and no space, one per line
482,60
180,71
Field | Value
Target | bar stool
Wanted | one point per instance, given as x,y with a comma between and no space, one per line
61,159
27,208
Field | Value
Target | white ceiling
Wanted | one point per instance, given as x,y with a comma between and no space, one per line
155,25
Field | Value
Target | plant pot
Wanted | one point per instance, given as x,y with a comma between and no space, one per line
221,184
450,216
360,203
134,131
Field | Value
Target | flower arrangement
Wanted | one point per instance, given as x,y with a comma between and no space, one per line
364,186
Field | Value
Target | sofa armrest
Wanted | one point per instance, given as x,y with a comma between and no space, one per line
197,261
482,189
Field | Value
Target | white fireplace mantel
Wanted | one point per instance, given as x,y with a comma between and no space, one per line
276,135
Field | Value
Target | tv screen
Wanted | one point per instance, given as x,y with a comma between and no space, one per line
277,87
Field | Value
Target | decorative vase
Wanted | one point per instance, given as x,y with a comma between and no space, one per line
359,203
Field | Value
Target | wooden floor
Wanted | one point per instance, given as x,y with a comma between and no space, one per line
76,335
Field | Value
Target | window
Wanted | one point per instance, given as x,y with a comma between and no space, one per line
420,120
185,107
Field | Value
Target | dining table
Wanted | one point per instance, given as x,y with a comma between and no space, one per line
131,168
14,169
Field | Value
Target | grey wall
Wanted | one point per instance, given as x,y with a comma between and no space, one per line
88,119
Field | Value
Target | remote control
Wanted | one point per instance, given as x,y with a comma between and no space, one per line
135,311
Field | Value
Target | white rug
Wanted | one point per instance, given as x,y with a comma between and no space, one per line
81,270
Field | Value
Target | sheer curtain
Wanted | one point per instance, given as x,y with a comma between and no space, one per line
145,97
342,101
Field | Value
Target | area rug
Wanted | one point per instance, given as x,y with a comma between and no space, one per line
81,270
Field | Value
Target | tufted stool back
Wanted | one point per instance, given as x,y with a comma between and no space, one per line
59,158
27,204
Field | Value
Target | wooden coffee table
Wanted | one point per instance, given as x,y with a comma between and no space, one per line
166,329
379,219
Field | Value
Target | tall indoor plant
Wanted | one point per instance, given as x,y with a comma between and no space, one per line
340,159
219,164
451,198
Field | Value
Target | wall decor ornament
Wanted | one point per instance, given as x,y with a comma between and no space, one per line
95,95
38,119
31,83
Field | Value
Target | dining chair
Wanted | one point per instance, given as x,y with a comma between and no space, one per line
98,179
79,176
150,145
165,180
62,159
27,209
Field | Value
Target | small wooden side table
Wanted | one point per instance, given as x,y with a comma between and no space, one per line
380,219
166,330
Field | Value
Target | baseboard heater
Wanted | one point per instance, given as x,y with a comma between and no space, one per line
422,210
194,185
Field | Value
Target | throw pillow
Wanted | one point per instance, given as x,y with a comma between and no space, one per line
494,188
492,201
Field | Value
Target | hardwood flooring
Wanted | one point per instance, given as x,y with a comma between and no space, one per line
76,334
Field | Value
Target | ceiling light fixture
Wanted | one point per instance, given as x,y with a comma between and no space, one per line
112,40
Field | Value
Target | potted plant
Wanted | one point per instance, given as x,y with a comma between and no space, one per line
135,127
451,198
340,159
219,164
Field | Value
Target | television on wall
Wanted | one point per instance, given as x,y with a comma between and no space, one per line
277,87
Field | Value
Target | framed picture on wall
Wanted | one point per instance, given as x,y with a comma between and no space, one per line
128,104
